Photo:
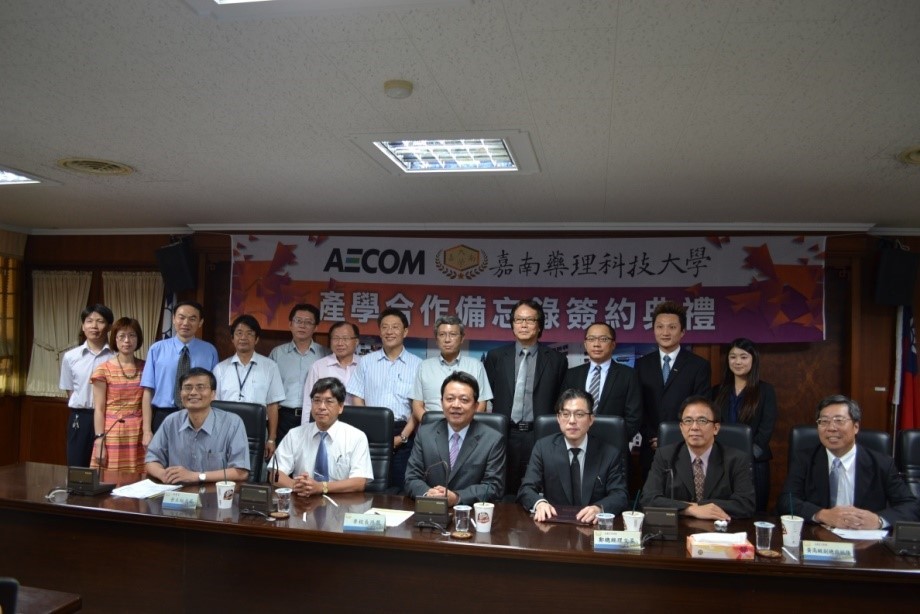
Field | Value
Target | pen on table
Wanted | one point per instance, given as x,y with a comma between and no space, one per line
304,516
330,500
791,556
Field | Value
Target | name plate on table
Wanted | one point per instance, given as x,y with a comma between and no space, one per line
364,523
609,541
836,552
174,500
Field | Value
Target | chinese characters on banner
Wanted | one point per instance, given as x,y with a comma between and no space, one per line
770,289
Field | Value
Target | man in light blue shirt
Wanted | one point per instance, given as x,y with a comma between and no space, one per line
199,443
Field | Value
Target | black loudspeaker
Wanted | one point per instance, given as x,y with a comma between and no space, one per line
177,266
897,277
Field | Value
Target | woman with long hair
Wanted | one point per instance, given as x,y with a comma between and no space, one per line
744,398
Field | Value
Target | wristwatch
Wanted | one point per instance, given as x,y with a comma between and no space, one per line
403,438
325,488
202,477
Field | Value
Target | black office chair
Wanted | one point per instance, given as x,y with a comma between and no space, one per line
734,435
377,424
9,592
611,429
805,438
253,416
908,454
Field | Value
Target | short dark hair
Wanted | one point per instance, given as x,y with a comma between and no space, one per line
838,399
249,321
304,307
449,321
573,394
393,311
122,324
613,333
536,306
333,385
196,371
194,304
670,307
101,309
462,377
354,328
700,400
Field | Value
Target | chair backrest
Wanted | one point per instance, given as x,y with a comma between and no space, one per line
377,424
734,435
253,416
805,437
611,429
909,453
9,591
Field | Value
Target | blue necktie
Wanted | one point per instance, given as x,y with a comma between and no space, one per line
666,369
321,464
838,495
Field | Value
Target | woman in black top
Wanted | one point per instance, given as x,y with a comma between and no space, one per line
744,398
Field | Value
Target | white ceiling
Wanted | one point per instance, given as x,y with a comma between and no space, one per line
736,114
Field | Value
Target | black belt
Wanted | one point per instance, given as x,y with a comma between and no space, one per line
166,409
298,411
524,427
81,410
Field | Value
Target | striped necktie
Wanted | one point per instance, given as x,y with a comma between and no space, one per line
595,387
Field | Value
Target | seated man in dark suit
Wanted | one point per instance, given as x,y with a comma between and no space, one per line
457,457
572,468
842,484
701,477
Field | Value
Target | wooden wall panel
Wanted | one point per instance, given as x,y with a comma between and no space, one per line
9,429
43,430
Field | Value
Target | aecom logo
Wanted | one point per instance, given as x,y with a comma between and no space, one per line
388,261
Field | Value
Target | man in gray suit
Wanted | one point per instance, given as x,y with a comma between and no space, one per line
699,476
456,457
572,468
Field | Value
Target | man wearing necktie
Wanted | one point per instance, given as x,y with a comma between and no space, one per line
572,468
840,483
525,377
326,455
458,457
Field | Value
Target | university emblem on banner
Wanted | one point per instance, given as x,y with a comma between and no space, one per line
461,262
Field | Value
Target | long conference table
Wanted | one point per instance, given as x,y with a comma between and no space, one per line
130,555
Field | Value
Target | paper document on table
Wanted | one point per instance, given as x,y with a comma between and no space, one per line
145,489
394,517
874,534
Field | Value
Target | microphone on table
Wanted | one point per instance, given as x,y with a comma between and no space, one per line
273,469
102,437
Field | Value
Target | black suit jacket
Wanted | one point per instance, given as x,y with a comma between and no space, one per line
620,396
690,375
879,487
548,475
478,474
762,424
549,371
729,480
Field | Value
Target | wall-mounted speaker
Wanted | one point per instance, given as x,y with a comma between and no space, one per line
177,266
897,277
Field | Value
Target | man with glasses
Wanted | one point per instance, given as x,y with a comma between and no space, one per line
457,457
614,387
199,443
248,377
341,364
699,476
326,455
426,396
295,359
168,361
840,483
573,469
525,377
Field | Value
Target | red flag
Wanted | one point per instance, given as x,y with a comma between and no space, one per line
909,392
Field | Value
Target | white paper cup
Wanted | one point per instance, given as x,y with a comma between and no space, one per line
605,521
482,516
225,494
792,530
632,521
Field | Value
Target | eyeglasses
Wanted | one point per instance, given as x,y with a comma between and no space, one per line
837,421
697,421
239,334
327,402
341,339
195,388
125,337
448,335
578,415
601,339
525,320
303,322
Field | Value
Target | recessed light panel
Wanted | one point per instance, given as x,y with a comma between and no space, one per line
11,177
449,155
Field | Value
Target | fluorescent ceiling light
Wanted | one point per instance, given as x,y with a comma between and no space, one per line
507,151
238,1
9,176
